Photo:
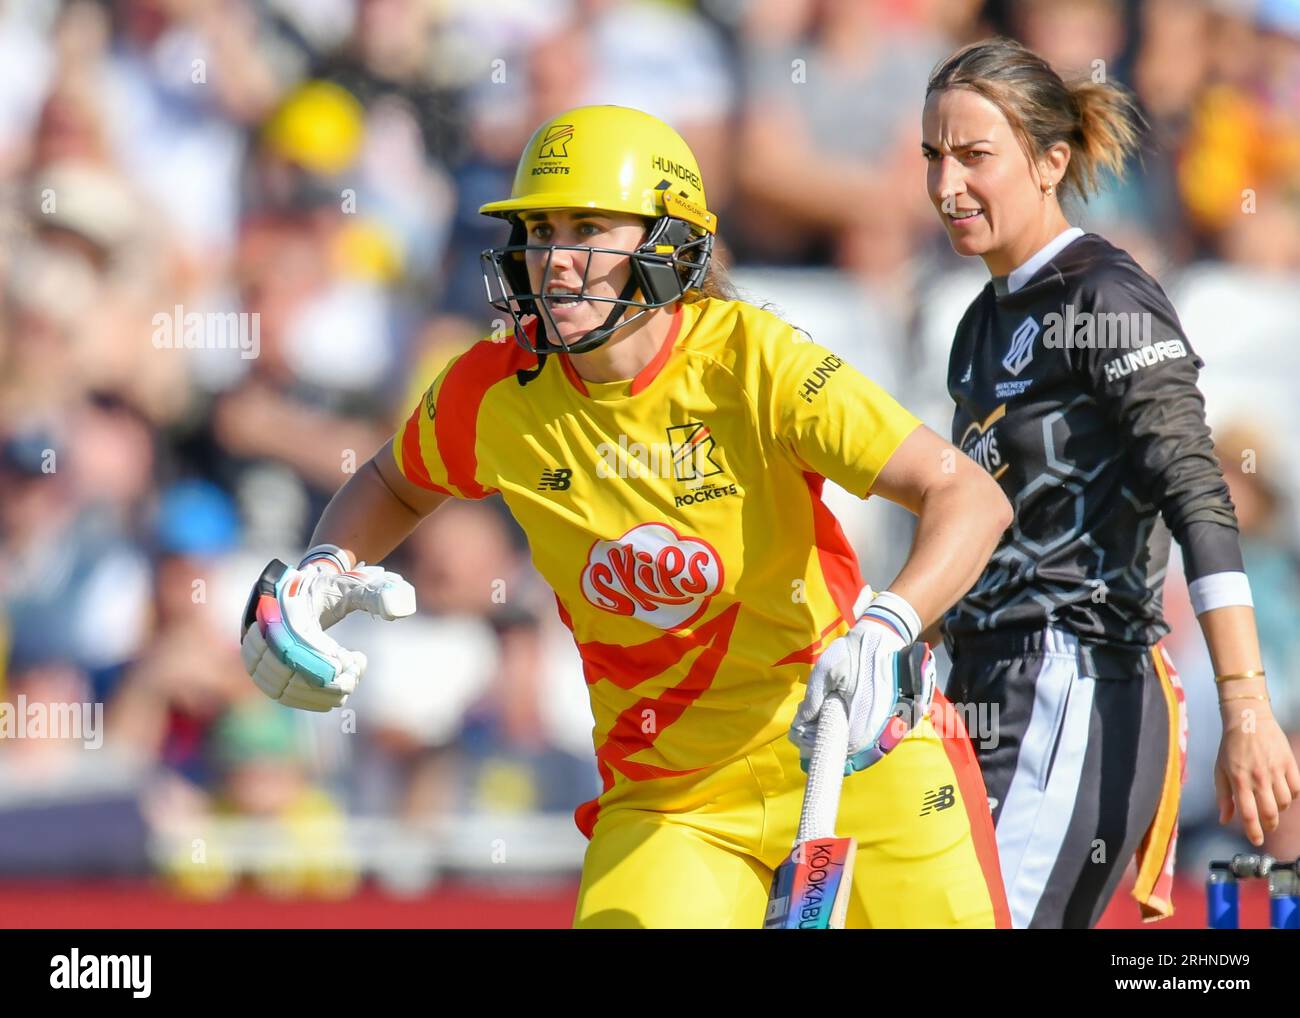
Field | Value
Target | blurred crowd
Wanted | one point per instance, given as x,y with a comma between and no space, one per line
170,169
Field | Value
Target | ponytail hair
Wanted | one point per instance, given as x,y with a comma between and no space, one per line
1099,121
1108,134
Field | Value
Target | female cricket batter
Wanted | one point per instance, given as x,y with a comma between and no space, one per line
664,449
1076,389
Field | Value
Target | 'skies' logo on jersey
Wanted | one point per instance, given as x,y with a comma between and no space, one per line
654,574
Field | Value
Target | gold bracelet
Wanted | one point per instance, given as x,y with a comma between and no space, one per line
1244,696
1254,673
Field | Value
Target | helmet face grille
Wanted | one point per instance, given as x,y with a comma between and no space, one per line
670,261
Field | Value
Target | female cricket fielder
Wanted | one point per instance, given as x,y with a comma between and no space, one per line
1094,434
700,591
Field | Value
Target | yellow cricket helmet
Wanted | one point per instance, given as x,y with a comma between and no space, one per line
612,159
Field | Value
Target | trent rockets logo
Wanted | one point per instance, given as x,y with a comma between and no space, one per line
692,451
654,574
556,143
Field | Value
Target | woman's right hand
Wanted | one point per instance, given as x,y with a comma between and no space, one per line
887,682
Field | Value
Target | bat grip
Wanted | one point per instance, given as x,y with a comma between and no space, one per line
821,800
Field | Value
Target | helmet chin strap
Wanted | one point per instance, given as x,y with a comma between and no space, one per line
601,333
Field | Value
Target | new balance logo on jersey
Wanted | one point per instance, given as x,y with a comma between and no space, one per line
1022,347
555,480
938,799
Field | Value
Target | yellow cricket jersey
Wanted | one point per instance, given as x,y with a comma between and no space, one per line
677,516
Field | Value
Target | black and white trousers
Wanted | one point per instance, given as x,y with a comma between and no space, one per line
1073,741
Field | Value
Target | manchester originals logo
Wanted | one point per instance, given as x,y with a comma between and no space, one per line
1022,347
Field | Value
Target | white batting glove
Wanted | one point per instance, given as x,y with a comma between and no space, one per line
884,676
283,642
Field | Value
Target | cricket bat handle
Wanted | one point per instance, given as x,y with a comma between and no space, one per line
821,799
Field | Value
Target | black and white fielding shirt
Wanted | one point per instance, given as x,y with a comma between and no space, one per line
1076,389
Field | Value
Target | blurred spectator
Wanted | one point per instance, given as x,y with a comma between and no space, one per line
26,63
67,795
1079,38
825,168
189,671
426,676
1170,70
74,586
259,755
1242,156
183,80
635,47
41,756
